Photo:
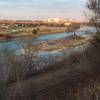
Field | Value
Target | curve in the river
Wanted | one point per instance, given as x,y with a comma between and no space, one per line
14,44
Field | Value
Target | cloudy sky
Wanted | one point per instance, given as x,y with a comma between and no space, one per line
40,9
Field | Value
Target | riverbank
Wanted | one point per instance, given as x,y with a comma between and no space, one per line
60,44
24,33
78,78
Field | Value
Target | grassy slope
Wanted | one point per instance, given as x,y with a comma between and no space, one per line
76,74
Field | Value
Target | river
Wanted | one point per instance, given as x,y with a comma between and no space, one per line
48,57
15,44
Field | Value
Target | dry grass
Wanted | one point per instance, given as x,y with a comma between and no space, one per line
75,78
60,44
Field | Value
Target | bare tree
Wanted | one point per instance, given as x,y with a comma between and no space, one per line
94,7
10,71
28,56
73,27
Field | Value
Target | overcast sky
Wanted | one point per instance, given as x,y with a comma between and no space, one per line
40,9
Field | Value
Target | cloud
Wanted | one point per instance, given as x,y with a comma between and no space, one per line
40,8
3,3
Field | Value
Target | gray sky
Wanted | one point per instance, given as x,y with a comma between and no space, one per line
40,9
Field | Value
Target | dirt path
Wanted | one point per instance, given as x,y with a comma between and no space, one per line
39,82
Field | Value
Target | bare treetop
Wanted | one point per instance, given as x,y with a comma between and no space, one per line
94,7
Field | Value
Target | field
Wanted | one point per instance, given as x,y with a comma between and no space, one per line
15,32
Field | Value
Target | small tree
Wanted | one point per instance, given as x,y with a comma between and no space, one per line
73,27
94,7
34,31
28,56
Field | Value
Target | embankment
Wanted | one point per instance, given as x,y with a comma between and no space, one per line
73,79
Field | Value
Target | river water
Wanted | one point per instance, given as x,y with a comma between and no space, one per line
15,44
48,57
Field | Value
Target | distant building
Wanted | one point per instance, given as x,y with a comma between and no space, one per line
98,20
23,22
75,21
6,21
50,20
56,20
67,24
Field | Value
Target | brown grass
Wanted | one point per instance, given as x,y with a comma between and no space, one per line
76,78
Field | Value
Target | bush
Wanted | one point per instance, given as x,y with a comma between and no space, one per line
35,31
5,36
